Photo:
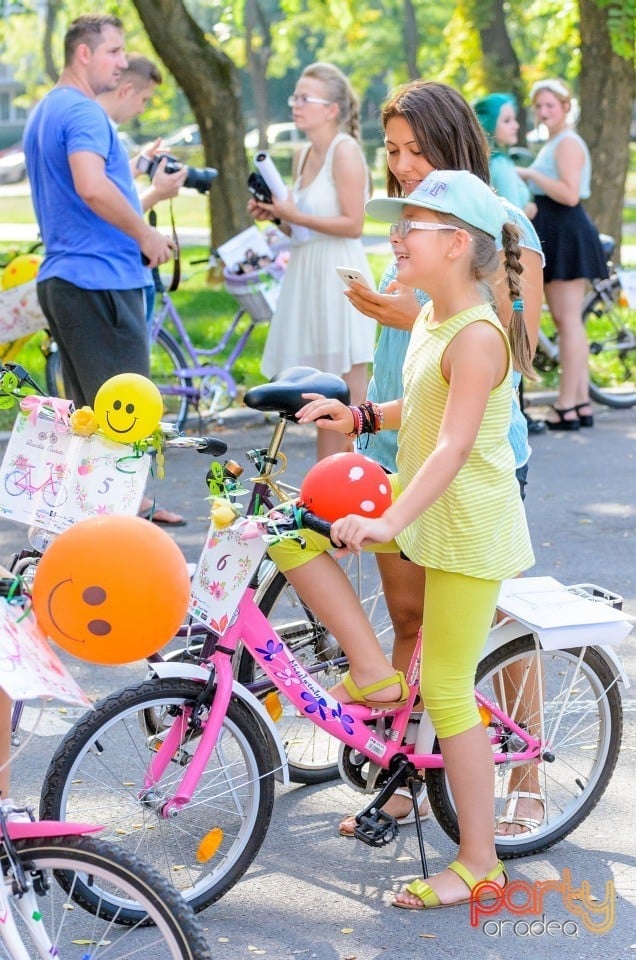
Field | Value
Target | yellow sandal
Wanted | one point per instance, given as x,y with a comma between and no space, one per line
431,901
360,694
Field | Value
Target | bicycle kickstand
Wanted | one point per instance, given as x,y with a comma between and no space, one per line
377,828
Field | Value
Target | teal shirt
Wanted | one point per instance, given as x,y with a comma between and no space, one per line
388,360
506,182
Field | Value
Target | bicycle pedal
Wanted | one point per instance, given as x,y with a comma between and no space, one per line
376,828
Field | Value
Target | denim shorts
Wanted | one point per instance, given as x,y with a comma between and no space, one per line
521,474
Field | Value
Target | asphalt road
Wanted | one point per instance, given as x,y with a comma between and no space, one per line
314,895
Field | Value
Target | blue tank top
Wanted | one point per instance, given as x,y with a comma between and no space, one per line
545,162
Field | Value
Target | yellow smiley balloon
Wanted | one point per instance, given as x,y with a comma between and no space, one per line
128,407
20,270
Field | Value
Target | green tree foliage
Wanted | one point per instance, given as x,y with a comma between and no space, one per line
37,58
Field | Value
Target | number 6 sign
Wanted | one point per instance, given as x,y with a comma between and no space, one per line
224,568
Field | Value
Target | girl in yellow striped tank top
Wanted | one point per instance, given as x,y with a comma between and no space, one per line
456,508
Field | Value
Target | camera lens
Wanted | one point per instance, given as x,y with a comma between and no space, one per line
200,178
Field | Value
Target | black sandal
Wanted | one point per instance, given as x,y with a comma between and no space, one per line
587,419
562,423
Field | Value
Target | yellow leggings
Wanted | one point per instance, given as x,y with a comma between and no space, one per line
458,613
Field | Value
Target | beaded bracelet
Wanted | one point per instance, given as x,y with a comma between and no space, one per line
367,418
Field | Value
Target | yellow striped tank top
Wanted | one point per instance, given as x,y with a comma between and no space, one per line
478,526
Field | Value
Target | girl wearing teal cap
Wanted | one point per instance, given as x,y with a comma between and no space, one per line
497,115
456,509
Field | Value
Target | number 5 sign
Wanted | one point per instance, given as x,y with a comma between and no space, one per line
224,569
53,478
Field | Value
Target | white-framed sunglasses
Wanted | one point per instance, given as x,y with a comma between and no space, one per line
302,99
402,227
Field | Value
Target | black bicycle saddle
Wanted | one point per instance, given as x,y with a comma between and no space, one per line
284,395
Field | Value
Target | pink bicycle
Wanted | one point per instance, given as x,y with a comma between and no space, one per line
183,764
50,870
67,894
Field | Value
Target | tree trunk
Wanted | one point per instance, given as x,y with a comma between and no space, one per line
52,10
500,62
258,58
211,84
607,90
411,40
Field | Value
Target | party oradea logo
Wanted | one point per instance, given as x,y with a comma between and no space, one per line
525,901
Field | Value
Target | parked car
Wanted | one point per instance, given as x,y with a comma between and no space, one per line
186,145
282,138
12,166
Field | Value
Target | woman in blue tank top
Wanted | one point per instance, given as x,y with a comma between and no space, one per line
559,179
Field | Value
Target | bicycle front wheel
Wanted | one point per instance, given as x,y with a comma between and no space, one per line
575,695
610,326
102,764
166,363
62,869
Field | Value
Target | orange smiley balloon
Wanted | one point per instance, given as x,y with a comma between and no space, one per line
111,589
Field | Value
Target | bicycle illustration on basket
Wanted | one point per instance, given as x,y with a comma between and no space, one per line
52,490
184,763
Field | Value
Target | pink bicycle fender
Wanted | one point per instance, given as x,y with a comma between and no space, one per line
19,830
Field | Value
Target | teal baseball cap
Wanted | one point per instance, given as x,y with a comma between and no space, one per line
457,192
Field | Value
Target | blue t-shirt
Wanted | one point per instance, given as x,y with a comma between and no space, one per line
388,360
81,247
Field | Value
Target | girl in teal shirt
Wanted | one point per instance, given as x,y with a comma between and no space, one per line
497,115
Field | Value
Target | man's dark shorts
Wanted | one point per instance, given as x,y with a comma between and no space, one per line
99,334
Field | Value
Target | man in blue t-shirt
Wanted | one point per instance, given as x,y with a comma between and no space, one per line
90,217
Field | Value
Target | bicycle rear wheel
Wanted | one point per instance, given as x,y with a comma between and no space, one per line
610,325
583,724
102,764
70,872
166,362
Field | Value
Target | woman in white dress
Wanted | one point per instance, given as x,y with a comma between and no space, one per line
314,324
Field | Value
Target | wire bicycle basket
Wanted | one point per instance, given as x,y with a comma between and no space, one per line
256,292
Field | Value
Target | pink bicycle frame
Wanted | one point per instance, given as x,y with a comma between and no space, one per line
344,721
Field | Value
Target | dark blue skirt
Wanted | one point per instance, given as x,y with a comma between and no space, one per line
570,242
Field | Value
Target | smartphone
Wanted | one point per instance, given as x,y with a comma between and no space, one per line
347,274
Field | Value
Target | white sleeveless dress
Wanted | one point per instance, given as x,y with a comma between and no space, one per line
314,324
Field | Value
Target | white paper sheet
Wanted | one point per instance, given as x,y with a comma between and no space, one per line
560,617
223,571
28,666
628,286
53,478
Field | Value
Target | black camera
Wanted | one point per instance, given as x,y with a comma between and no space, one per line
198,178
257,186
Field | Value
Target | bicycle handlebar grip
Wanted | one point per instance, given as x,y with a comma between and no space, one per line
212,445
318,524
